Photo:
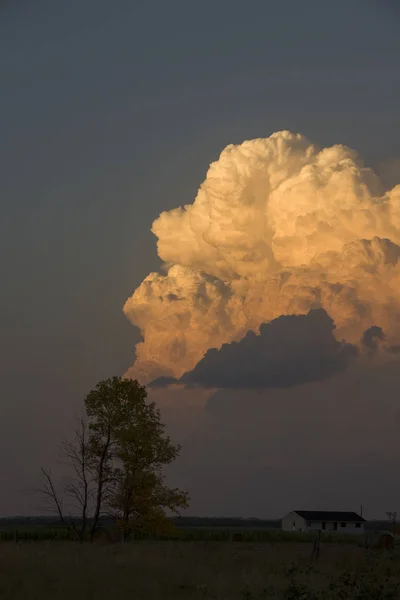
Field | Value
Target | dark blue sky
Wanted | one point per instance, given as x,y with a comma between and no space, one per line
110,113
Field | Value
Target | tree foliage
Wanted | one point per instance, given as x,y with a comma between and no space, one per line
127,431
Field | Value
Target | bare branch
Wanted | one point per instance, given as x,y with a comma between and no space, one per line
77,487
48,491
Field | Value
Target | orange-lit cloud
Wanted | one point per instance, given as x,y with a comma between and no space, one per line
278,227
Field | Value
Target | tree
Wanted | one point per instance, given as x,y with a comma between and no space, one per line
116,457
128,444
139,503
76,486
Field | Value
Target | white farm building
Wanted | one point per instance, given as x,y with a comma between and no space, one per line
313,520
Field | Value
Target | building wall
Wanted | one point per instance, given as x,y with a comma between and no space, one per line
293,522
329,526
350,528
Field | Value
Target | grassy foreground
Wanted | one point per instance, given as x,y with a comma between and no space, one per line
152,570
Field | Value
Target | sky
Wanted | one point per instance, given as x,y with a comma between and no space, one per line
111,114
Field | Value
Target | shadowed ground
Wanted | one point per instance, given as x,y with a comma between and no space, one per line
178,570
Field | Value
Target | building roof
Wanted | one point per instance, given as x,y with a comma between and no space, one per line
327,515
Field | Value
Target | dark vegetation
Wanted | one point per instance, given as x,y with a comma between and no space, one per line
182,528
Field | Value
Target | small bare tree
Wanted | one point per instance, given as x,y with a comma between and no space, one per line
392,516
77,486
50,497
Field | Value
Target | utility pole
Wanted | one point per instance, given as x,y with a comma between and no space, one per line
392,515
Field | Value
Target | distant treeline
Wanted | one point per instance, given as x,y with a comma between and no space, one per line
181,522
226,522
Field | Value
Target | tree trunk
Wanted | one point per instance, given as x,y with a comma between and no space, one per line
100,484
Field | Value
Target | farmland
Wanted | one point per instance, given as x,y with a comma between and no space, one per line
202,562
188,529
151,570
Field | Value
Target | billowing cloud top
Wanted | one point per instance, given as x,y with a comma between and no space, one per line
278,227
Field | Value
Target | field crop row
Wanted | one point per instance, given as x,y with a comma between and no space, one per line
200,534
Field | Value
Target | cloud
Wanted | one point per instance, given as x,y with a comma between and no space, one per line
371,338
162,382
288,351
394,349
282,240
278,227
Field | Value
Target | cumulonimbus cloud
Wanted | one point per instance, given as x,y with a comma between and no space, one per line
278,227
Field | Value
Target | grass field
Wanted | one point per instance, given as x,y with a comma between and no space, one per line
185,534
150,570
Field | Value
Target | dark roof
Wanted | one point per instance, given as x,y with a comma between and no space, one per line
327,515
